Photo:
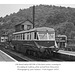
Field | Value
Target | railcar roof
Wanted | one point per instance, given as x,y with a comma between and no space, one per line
36,29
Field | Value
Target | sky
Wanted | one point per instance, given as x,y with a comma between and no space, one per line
7,9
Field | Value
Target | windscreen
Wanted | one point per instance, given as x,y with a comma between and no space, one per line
46,35
51,35
43,35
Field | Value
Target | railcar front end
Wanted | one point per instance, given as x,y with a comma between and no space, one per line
46,42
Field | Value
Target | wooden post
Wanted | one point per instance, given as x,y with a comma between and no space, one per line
33,16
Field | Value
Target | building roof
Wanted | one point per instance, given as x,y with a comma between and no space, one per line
23,22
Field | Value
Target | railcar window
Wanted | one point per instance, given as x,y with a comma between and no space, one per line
28,36
23,36
35,35
51,36
16,37
32,35
43,35
20,36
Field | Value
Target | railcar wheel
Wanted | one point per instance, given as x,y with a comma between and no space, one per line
35,53
39,54
29,52
25,51
12,48
16,47
45,54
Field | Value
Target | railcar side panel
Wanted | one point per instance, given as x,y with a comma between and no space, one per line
33,45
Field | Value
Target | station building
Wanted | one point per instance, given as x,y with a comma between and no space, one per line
25,25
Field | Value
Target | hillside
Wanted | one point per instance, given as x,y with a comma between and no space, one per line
60,18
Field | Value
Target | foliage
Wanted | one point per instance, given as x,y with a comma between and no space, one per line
60,18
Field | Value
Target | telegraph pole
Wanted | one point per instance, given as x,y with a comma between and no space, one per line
33,16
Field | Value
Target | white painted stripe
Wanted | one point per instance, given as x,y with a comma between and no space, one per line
67,52
8,55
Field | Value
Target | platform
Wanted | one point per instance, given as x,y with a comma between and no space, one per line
66,55
5,57
67,52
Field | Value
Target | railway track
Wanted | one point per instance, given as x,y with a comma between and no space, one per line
17,56
21,57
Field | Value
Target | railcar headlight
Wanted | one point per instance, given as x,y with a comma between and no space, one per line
52,47
41,46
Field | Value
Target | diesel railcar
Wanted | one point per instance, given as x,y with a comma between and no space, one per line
36,41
